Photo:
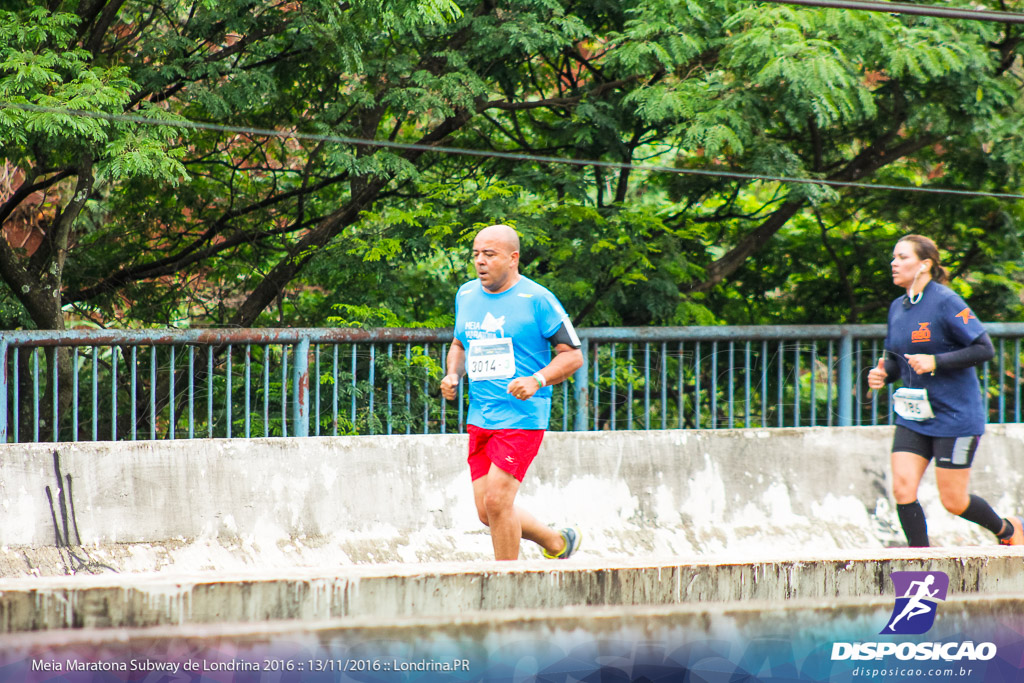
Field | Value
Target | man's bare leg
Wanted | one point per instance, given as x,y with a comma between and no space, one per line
494,495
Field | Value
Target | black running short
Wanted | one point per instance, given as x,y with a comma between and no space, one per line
948,452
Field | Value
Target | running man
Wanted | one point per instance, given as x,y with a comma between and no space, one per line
933,343
505,326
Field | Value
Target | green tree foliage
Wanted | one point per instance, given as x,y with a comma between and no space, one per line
155,224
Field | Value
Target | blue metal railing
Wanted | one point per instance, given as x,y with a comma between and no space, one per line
169,384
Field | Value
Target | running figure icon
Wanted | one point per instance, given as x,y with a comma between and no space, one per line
916,605
917,597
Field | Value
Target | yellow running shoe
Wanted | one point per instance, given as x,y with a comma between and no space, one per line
573,538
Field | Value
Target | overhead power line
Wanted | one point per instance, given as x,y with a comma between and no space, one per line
906,8
492,154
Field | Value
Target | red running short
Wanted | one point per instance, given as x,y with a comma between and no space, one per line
510,449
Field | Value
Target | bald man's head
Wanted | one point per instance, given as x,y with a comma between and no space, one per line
496,257
502,233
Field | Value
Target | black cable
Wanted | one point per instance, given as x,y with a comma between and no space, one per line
341,139
904,8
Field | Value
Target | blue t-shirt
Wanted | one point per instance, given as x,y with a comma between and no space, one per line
938,323
527,313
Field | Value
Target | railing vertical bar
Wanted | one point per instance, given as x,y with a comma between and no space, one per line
390,345
95,394
74,394
426,391
54,380
35,394
300,388
354,369
16,402
4,384
845,386
266,389
170,395
732,382
614,395
597,387
581,389
191,391
315,381
228,417
779,405
461,398
247,420
1002,380
828,383
764,382
113,393
629,391
209,392
1016,380
408,388
874,394
814,381
565,405
696,385
856,380
334,390
152,392
714,385
133,389
373,386
442,355
796,383
284,390
746,384
679,383
664,385
647,385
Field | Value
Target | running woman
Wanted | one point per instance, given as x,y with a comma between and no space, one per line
505,327
933,344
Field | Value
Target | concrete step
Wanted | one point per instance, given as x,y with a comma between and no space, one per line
444,591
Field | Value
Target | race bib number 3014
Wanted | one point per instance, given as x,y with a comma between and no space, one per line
491,359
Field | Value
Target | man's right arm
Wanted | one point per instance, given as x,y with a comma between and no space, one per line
454,366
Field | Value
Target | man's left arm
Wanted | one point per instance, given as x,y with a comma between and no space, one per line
567,360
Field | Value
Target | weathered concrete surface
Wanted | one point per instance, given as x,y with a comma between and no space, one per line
736,621
445,591
233,505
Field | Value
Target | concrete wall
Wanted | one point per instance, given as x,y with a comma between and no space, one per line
236,504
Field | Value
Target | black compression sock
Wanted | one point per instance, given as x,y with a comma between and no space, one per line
981,513
1006,531
915,527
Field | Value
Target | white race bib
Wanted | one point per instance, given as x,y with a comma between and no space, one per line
491,359
912,404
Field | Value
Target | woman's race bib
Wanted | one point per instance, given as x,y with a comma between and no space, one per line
912,404
491,359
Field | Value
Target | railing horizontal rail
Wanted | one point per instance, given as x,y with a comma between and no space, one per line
152,384
315,335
